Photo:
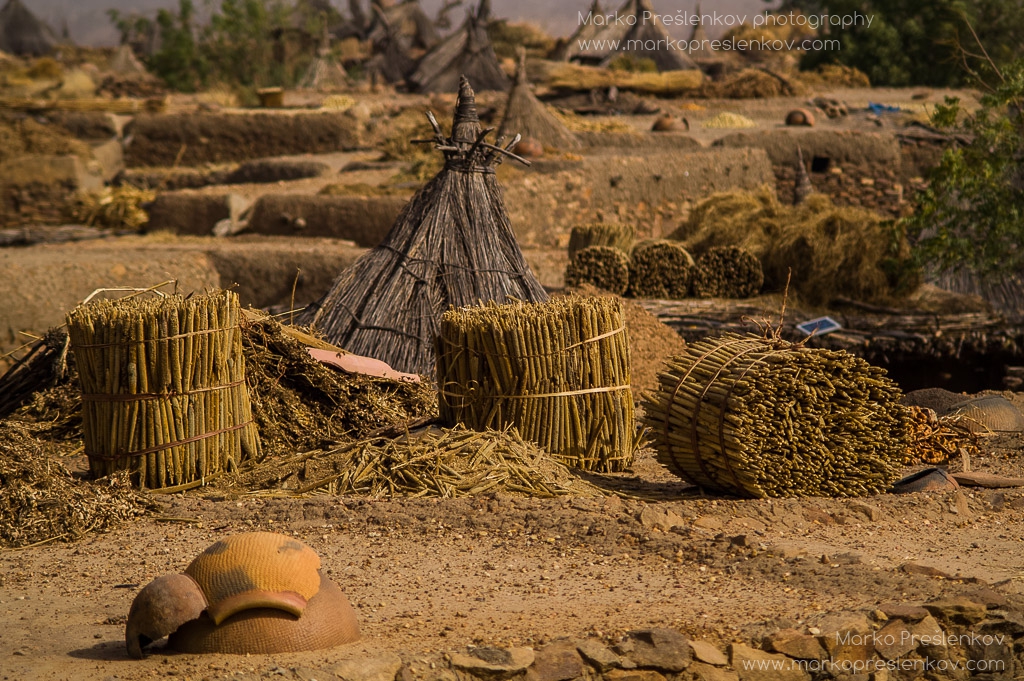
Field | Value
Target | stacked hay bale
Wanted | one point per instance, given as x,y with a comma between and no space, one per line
559,372
163,387
605,267
760,418
661,269
615,235
727,272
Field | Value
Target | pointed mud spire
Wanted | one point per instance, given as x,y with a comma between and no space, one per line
803,187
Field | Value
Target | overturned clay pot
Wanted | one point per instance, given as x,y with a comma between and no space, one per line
257,592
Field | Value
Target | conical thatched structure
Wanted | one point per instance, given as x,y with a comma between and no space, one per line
586,31
125,63
467,51
527,115
391,61
637,33
408,20
700,45
452,245
325,73
22,33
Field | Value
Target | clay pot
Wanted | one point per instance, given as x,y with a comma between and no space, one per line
800,117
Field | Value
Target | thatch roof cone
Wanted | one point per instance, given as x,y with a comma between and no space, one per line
636,28
22,33
125,63
803,187
699,37
528,116
467,51
453,245
587,30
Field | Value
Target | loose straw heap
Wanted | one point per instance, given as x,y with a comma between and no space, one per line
602,266
617,235
163,383
762,418
437,462
727,272
661,269
936,440
557,371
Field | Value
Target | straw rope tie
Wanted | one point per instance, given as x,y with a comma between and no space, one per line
142,341
169,445
141,397
565,393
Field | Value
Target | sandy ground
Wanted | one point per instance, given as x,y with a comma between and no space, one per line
430,575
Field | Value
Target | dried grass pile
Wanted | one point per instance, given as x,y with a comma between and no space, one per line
576,123
163,387
299,403
27,136
113,208
727,119
605,267
831,250
936,440
661,269
444,463
759,418
615,234
42,502
727,272
747,84
558,371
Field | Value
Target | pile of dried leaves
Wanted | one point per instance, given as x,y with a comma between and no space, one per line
42,502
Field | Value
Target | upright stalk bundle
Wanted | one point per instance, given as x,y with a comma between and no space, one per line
163,383
763,418
614,234
557,371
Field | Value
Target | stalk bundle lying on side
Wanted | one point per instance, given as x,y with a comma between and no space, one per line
763,418
163,383
727,272
602,266
661,269
557,371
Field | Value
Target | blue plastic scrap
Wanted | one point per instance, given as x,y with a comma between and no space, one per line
819,326
878,109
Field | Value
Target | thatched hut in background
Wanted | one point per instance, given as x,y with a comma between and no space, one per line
22,33
391,62
636,27
466,52
407,20
586,31
325,72
452,245
699,37
125,63
529,117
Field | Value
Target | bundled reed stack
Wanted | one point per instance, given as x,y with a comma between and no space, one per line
163,387
727,272
614,234
452,245
601,266
661,269
559,372
761,418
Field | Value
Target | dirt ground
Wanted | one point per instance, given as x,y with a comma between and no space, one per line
433,575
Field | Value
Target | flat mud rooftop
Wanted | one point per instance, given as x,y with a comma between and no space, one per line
429,576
